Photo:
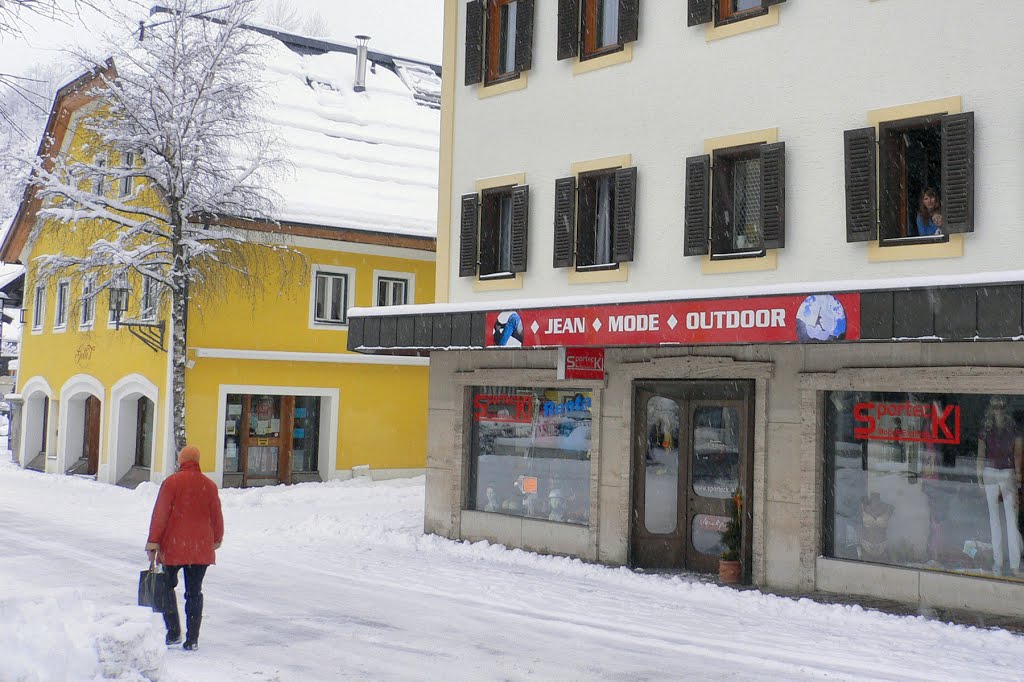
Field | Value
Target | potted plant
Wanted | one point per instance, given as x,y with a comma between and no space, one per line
732,539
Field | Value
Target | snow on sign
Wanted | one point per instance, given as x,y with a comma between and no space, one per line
766,319
581,363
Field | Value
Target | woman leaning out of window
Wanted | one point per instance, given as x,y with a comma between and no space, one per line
929,214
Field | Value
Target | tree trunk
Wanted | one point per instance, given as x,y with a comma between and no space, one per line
178,328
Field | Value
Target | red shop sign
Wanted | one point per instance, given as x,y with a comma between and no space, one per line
581,363
516,409
911,422
765,319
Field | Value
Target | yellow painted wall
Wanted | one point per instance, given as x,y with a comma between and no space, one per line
106,354
382,410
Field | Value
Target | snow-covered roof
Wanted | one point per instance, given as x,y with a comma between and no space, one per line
10,272
360,160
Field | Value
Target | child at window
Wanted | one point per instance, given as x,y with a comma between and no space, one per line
929,214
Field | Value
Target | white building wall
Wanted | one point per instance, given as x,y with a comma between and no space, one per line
814,75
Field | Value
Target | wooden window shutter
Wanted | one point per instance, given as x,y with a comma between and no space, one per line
524,35
624,215
520,226
696,215
468,235
700,12
475,12
861,185
773,195
629,21
565,221
958,173
568,28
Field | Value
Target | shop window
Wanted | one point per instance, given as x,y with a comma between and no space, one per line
926,481
87,311
392,291
600,234
736,206
593,28
60,320
39,308
331,298
499,40
924,190
726,11
495,228
530,453
306,435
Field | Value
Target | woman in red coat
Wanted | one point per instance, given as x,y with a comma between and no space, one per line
186,528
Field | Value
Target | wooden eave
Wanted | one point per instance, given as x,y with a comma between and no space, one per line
338,234
68,99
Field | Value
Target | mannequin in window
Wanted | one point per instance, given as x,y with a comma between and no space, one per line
999,472
875,515
929,214
491,496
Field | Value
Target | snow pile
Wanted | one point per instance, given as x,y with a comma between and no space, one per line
61,636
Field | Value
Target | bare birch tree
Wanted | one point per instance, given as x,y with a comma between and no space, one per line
178,121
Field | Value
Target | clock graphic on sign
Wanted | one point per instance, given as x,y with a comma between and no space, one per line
821,317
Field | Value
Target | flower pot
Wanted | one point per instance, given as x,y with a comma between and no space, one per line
728,571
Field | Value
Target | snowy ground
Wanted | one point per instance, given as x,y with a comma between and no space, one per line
336,581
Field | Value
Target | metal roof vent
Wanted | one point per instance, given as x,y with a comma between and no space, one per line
361,42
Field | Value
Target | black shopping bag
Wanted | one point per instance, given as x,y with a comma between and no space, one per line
154,590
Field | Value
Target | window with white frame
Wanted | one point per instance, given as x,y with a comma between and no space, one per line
39,308
101,185
148,301
60,320
392,291
330,300
126,183
88,307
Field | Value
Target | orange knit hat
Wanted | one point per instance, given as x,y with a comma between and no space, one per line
189,453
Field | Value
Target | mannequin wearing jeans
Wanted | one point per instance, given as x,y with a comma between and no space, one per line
999,466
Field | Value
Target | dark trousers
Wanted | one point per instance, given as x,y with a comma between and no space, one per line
194,574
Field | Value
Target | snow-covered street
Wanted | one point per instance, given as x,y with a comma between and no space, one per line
336,581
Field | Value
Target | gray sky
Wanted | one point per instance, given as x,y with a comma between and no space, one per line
410,28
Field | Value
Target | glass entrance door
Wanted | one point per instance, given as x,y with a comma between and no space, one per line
691,452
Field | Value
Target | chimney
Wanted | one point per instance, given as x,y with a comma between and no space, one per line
361,42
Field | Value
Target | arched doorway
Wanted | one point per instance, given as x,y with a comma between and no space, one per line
35,425
84,438
79,432
133,422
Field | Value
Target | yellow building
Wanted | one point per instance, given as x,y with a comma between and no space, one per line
272,394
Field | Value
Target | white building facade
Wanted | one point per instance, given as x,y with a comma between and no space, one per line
753,249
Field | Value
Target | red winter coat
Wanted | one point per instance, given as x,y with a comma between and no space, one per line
187,521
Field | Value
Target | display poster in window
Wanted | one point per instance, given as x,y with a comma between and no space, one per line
930,481
530,453
815,318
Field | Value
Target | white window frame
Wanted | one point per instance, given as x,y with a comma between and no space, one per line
126,185
350,287
149,290
410,284
39,309
88,304
62,304
100,188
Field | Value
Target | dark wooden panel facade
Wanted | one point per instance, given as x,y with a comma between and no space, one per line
984,312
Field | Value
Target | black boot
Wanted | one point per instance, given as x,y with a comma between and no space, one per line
193,619
173,623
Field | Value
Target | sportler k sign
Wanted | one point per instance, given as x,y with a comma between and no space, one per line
581,363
